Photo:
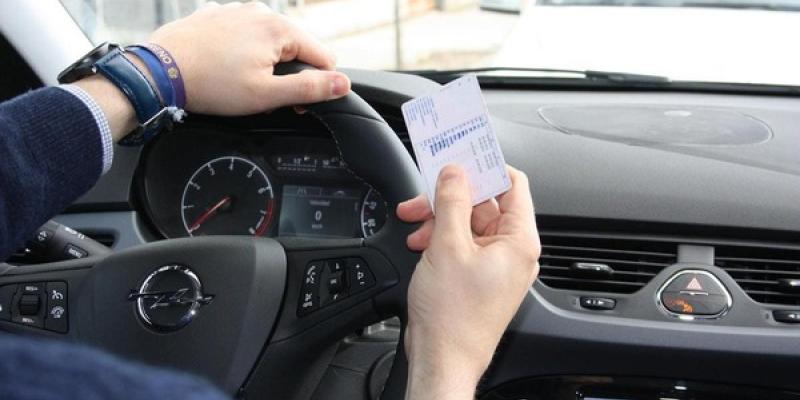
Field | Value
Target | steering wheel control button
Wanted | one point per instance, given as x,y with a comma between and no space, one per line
693,294
328,281
6,299
56,317
309,293
29,304
27,307
335,266
169,298
598,303
787,316
359,274
335,284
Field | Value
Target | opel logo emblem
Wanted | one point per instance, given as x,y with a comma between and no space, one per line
169,298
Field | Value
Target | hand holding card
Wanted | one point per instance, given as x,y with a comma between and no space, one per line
452,126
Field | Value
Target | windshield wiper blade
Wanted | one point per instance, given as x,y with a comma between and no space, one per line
545,73
768,6
625,77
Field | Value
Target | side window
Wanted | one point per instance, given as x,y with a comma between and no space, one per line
16,77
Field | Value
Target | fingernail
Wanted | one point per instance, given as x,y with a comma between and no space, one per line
449,172
339,86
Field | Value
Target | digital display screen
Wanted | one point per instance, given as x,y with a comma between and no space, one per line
324,212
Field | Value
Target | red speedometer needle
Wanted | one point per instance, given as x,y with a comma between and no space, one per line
209,213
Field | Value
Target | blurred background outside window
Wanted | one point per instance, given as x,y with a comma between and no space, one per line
377,34
743,41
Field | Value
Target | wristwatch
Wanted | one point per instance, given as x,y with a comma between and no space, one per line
109,60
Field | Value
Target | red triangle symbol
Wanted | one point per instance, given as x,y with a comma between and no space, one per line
694,284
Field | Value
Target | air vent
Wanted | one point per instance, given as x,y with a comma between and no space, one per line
602,262
767,274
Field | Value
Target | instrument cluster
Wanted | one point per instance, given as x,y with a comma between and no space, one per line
204,181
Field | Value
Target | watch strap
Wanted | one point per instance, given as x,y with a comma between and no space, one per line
139,91
159,74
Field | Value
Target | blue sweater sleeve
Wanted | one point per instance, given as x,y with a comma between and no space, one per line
50,153
32,369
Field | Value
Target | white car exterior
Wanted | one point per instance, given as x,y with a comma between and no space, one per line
695,44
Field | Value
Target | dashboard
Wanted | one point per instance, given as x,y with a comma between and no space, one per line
646,183
206,179
639,184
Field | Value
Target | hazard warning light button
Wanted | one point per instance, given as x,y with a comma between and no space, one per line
695,293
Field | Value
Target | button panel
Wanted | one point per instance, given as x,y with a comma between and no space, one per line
56,317
309,293
328,281
36,304
695,294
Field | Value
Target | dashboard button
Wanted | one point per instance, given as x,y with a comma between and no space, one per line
694,304
787,316
360,276
695,283
598,303
695,293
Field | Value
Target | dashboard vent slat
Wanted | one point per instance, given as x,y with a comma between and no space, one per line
759,270
634,261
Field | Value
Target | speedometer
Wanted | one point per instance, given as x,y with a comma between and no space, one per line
228,196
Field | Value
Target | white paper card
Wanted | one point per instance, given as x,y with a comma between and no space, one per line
452,126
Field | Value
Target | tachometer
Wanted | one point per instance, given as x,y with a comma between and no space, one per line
228,196
373,213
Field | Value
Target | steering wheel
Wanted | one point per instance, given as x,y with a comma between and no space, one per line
246,312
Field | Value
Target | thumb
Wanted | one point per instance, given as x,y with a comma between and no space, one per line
453,206
307,87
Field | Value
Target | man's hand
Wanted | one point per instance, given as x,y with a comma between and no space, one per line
477,265
227,55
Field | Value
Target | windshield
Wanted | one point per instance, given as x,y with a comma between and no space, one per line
738,41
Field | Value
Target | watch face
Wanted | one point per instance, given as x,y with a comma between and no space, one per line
83,67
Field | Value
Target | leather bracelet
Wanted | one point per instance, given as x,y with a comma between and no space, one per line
159,75
144,99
